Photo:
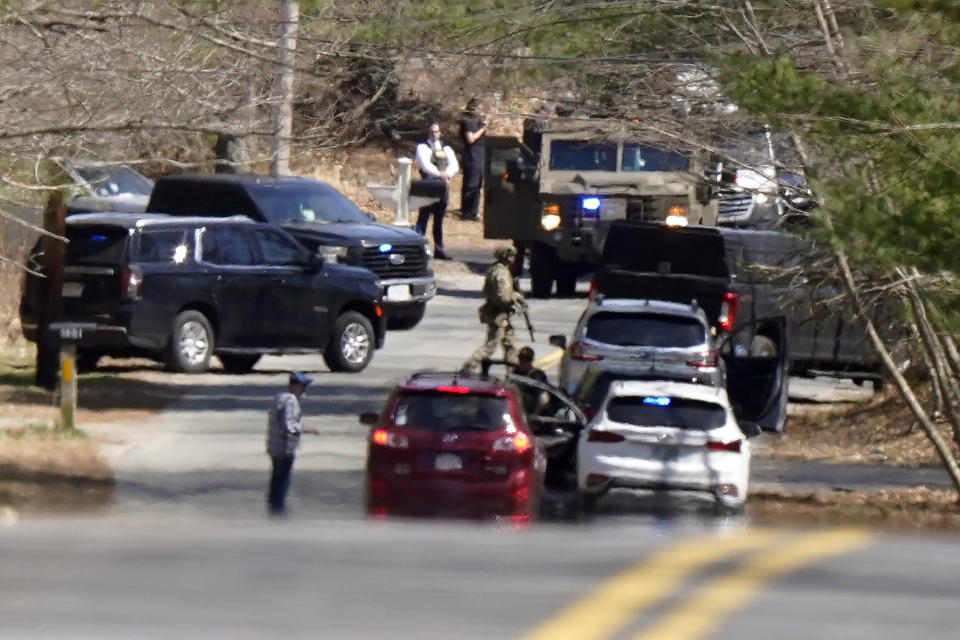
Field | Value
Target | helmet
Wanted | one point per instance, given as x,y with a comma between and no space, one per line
504,253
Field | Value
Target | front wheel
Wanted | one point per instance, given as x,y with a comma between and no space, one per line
352,343
191,343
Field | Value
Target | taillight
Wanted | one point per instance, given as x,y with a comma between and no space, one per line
385,438
518,443
131,281
578,351
604,436
706,358
593,289
733,445
728,311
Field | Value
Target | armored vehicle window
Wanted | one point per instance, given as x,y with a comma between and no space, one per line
645,330
164,246
227,246
582,155
641,157
277,249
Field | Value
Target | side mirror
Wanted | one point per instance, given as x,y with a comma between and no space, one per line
559,341
369,418
750,429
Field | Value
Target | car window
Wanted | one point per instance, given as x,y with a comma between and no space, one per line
645,330
109,181
305,201
582,155
446,411
278,249
641,157
96,245
227,246
666,412
165,245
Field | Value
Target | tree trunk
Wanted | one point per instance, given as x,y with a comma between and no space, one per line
48,354
283,94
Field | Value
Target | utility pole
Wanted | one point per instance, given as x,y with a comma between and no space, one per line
54,223
283,91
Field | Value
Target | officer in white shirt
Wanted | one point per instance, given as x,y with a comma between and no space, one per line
437,162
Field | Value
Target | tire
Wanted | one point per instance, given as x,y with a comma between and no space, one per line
191,343
411,317
238,363
352,343
566,285
543,261
587,502
87,360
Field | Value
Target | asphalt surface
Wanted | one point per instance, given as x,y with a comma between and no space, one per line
186,550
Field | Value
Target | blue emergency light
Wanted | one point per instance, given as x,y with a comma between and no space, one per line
98,238
385,247
659,402
591,204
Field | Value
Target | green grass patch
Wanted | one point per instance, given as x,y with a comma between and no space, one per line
42,432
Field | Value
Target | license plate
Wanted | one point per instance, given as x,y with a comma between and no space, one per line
72,289
398,292
666,454
448,462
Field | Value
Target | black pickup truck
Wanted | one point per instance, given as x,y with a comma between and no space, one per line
323,220
749,283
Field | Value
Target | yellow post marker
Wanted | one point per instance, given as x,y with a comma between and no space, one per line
68,385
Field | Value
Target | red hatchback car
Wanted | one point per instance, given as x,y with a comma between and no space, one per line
453,445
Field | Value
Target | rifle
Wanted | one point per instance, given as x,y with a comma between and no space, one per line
525,312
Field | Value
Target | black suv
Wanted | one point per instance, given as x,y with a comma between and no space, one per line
323,220
184,289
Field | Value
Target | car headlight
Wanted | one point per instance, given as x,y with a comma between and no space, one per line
549,221
761,198
332,253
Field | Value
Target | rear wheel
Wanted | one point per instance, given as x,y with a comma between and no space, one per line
351,346
543,261
587,502
239,363
408,318
191,343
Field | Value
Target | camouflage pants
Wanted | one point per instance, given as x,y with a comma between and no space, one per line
499,331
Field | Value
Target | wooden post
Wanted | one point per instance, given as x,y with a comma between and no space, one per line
68,385
54,222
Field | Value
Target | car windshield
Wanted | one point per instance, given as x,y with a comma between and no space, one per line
645,330
437,411
666,412
583,155
96,245
110,181
641,157
305,201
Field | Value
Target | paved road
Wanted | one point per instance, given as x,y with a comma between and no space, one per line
186,551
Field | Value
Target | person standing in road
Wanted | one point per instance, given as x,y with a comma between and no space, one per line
501,298
438,162
473,131
283,439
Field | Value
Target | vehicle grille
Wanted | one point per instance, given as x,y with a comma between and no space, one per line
414,261
734,204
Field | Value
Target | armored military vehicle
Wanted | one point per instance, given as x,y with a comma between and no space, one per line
559,203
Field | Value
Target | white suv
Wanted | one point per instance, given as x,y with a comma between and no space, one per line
665,435
651,333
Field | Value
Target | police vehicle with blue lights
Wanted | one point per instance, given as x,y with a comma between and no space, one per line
559,204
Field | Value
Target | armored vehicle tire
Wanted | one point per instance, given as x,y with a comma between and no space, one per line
191,343
543,261
239,363
87,360
566,285
410,317
352,343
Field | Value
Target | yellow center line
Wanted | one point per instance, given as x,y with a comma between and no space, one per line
549,361
703,611
610,607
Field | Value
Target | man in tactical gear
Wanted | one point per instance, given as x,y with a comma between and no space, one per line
501,298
